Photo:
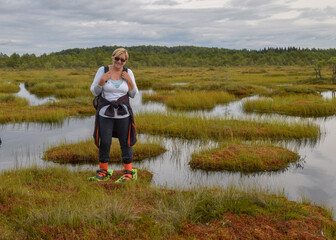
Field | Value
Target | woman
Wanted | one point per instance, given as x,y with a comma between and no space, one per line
114,116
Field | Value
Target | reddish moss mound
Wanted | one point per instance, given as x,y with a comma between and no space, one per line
155,213
244,158
262,226
87,152
316,225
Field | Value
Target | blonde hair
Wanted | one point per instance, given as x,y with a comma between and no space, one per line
120,51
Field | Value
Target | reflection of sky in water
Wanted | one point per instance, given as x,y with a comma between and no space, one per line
329,94
313,177
32,99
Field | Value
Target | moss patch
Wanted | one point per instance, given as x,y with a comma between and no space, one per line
244,158
294,105
57,203
190,100
184,126
87,152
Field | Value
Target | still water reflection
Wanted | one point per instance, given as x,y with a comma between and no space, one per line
32,99
313,177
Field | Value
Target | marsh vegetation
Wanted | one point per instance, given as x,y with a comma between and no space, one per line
56,203
87,152
249,145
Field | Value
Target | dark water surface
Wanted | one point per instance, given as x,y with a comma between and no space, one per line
312,177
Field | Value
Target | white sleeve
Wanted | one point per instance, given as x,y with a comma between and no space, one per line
95,88
135,89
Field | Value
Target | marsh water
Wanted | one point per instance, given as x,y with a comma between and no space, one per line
313,176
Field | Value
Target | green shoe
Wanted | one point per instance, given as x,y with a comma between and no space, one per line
102,175
124,178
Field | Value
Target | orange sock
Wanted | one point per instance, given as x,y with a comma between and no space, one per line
128,167
103,165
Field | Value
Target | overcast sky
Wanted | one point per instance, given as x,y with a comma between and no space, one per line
44,26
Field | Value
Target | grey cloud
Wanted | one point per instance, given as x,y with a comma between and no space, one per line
319,14
255,4
50,25
166,3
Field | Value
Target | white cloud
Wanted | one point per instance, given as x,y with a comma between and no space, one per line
321,4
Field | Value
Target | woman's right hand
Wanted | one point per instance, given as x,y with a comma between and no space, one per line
104,78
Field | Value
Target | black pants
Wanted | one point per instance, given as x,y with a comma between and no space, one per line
106,127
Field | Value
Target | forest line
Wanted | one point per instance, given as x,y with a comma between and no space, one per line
160,56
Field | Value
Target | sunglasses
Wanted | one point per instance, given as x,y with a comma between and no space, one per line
118,58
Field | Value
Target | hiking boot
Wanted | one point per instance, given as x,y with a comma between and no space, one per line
102,175
126,178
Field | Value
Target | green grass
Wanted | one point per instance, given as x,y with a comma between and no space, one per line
9,100
87,152
285,90
14,109
71,88
184,126
56,203
59,83
294,105
9,87
173,125
239,80
190,100
243,158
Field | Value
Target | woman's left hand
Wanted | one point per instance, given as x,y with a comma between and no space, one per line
128,79
126,76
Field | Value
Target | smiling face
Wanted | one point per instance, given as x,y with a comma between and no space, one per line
120,60
119,57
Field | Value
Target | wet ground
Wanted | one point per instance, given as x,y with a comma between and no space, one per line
313,176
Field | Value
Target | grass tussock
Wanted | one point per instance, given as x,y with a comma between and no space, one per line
293,90
297,105
244,158
14,109
10,101
87,152
70,86
183,126
61,84
190,100
234,88
9,87
56,203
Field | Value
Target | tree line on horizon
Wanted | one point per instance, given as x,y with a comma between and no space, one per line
160,56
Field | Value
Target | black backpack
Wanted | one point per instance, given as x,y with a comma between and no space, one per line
96,98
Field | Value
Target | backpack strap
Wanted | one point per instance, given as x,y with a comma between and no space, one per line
107,68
